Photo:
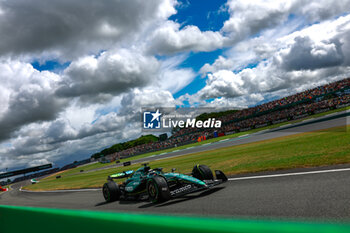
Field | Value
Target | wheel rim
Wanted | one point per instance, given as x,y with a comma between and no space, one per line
152,191
106,193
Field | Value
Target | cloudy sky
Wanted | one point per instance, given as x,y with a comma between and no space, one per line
75,74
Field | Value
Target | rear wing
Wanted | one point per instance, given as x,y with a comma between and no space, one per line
121,175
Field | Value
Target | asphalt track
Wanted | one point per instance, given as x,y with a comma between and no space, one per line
296,194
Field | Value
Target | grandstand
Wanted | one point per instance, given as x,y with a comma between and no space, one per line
35,175
320,99
50,171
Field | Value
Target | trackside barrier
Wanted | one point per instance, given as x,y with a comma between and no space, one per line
128,163
43,220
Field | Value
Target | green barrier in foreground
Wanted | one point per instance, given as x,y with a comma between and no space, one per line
30,219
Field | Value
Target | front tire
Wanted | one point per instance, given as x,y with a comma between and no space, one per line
111,191
202,172
158,190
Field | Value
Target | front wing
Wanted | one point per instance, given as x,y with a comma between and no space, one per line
191,188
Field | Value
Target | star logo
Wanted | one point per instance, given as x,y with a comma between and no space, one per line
156,115
151,120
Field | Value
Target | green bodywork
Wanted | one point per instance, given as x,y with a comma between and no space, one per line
137,181
122,174
189,179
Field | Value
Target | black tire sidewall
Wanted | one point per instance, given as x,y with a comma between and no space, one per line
106,193
158,189
202,172
111,191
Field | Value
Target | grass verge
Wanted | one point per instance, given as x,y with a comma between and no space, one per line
301,150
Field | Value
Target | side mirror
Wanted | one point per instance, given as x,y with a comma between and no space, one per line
173,169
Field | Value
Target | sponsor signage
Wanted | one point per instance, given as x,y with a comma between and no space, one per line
182,189
128,163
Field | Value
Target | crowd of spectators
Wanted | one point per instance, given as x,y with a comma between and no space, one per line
295,112
296,106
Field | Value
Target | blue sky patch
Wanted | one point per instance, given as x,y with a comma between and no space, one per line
196,61
50,65
205,14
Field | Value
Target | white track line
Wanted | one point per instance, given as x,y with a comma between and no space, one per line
230,179
284,125
289,174
224,140
60,191
308,120
206,144
261,131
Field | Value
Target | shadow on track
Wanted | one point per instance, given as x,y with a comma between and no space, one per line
170,202
102,203
121,202
184,198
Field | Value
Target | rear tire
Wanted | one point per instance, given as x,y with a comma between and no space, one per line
202,172
111,191
158,190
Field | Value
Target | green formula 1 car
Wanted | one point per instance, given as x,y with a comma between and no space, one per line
158,186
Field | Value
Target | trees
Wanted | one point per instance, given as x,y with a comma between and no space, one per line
125,145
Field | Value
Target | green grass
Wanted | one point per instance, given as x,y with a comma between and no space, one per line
301,150
100,165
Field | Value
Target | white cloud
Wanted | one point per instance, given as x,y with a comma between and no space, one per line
249,18
78,115
299,60
222,83
306,54
58,140
67,29
236,103
28,96
169,38
133,101
171,77
112,73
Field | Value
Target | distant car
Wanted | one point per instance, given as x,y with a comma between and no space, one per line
158,186
3,189
34,181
